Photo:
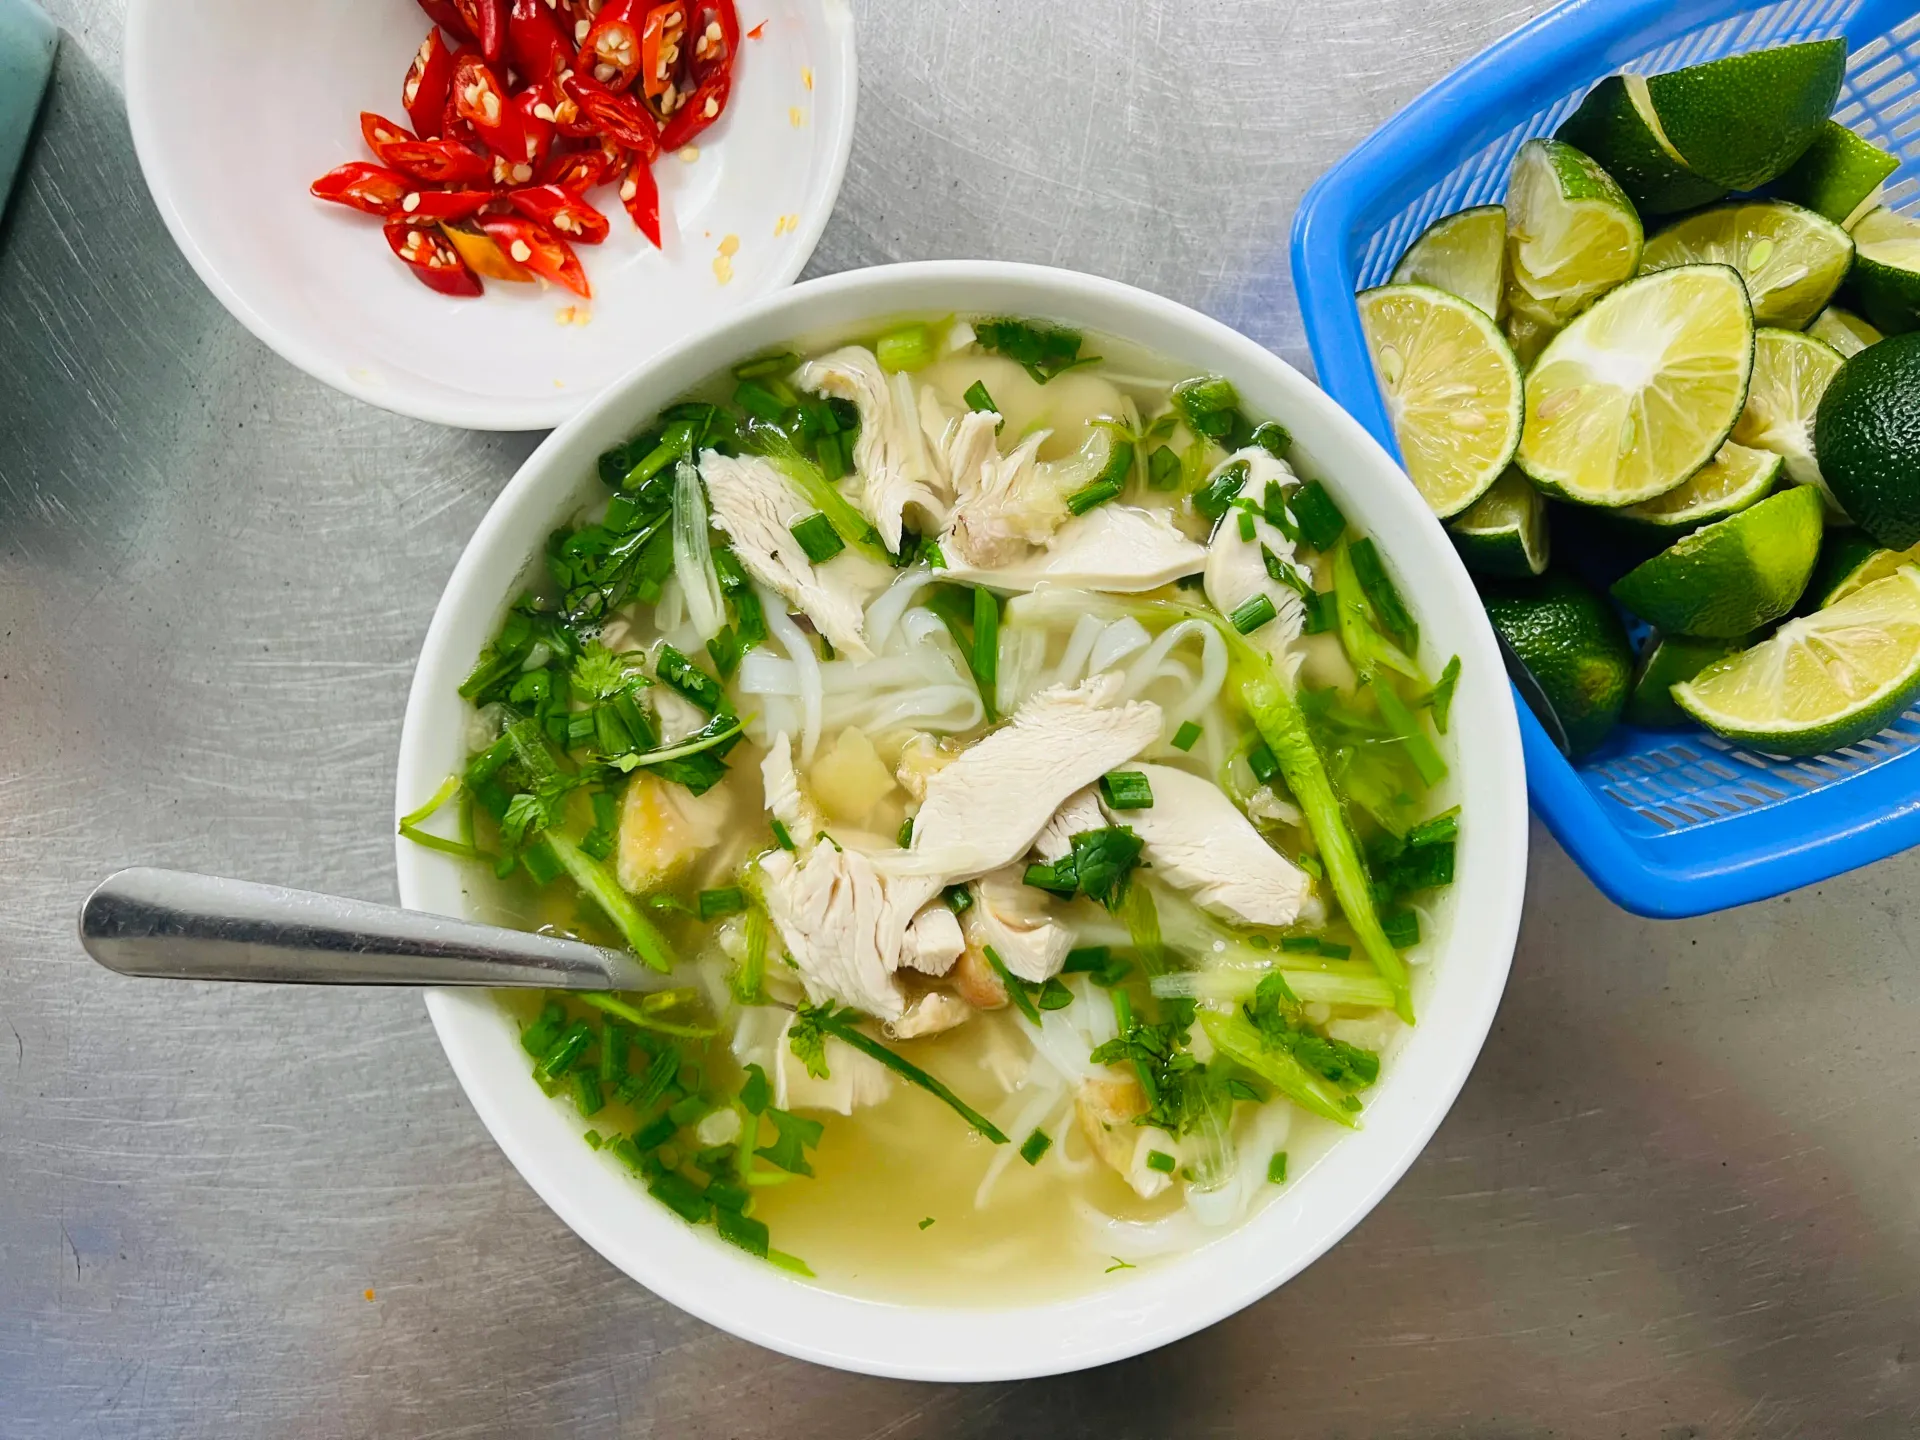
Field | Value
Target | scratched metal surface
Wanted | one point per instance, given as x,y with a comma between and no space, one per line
1678,1197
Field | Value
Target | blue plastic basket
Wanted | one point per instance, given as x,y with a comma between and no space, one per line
1665,823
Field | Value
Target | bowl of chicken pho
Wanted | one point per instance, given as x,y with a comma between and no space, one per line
1056,777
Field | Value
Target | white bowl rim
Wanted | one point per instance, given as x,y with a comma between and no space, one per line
475,413
1170,1299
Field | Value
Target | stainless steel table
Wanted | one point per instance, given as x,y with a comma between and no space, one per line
1679,1197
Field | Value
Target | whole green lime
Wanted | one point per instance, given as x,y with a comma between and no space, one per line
1867,435
1573,642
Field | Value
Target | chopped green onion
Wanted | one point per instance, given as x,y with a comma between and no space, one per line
587,1096
977,398
564,1052
926,1222
637,1016
1300,944
1186,736
1163,469
905,837
1320,520
1015,987
1126,790
780,836
1277,1168
817,537
727,900
959,898
1213,498
1439,700
1260,760
839,1024
737,1228
1236,1037
1272,437
1254,613
1035,1145
908,348
1160,1160
1209,404
1334,950
1247,531
776,364
599,886
1096,493
1379,589
758,401
1401,926
986,647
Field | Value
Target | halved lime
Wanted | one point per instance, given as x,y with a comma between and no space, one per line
1735,478
1743,120
1791,371
1668,660
1464,254
1843,330
1821,681
1791,259
1876,564
1840,172
1572,234
1886,270
1732,576
1452,389
1615,124
1504,532
1640,391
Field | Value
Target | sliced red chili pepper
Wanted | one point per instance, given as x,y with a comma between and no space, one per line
447,17
438,162
535,104
713,47
640,193
428,207
533,245
611,51
661,50
535,43
484,255
575,170
434,261
378,131
619,116
702,108
424,92
374,189
561,211
482,101
730,28
757,31
486,22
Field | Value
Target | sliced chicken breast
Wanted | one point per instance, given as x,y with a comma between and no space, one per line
1016,920
1197,840
986,809
890,458
754,504
1123,549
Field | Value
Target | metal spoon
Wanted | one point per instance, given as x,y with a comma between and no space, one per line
180,926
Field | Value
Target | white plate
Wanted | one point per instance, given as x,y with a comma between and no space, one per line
1456,991
237,106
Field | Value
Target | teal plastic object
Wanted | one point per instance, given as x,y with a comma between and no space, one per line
1667,823
28,40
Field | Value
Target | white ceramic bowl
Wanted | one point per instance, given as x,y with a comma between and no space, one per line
237,106
1457,992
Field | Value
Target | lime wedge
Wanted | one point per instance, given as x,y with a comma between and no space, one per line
1572,234
1615,124
1528,336
1464,254
1640,391
1791,259
1743,120
1572,643
1732,576
1822,681
1734,479
1791,371
1504,532
1843,330
1876,564
1452,389
1839,173
1669,660
1886,272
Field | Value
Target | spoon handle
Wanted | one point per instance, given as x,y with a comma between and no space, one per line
180,926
